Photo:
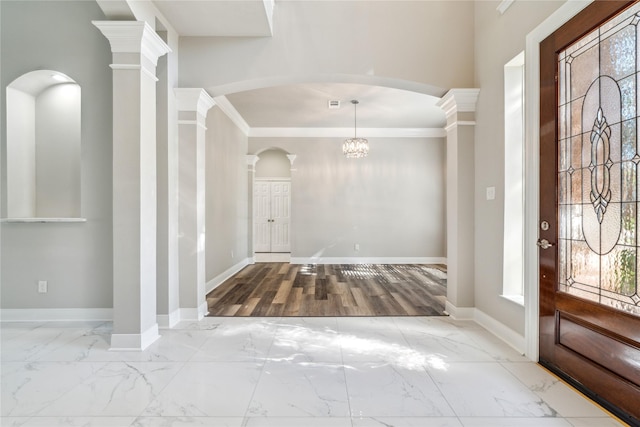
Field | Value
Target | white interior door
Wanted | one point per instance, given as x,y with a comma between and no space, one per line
262,216
271,216
280,216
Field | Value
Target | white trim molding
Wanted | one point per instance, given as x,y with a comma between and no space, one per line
342,132
167,321
133,37
134,342
368,260
55,314
504,5
223,103
459,100
532,167
500,330
193,99
220,278
195,313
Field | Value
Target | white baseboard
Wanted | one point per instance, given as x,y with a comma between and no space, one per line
368,260
55,314
134,342
500,330
220,278
271,257
497,328
167,321
194,313
459,313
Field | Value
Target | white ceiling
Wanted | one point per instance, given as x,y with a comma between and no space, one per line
298,105
306,105
228,18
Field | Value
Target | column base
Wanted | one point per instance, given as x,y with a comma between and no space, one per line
134,342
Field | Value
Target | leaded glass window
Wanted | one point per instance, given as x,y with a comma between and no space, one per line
598,156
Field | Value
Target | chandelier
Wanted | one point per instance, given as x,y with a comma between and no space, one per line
355,148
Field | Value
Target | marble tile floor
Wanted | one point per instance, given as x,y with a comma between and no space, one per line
282,372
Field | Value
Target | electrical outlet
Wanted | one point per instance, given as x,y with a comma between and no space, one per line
491,193
356,247
42,286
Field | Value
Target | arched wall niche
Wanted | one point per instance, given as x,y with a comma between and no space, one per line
43,147
273,163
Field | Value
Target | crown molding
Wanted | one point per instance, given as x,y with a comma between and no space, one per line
133,37
459,100
193,99
223,103
346,132
504,5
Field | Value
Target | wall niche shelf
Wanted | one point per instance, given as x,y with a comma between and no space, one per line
43,220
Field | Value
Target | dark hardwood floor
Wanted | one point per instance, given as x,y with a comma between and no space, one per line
282,289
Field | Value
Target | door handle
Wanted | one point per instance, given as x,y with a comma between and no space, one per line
544,244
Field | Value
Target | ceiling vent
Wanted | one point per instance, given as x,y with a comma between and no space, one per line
334,105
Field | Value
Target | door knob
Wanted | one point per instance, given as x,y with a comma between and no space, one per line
544,243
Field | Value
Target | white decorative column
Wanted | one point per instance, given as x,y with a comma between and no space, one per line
252,159
193,105
136,49
459,106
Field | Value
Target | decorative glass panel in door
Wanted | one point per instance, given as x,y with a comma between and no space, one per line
598,165
589,249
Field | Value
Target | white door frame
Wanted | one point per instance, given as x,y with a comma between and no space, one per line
532,167
252,160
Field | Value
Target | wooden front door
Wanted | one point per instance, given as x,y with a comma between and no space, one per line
590,206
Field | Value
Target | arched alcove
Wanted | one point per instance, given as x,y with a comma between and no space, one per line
43,146
273,163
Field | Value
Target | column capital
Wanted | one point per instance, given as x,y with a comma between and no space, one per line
193,99
133,37
459,100
252,159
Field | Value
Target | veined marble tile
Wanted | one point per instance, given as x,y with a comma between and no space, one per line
207,390
307,340
119,389
300,389
595,422
511,422
240,341
448,346
390,390
13,421
188,421
383,345
29,388
297,422
486,390
566,401
77,422
38,342
365,324
402,421
494,346
9,330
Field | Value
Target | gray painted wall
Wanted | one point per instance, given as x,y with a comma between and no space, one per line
498,38
391,203
226,194
75,258
395,42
